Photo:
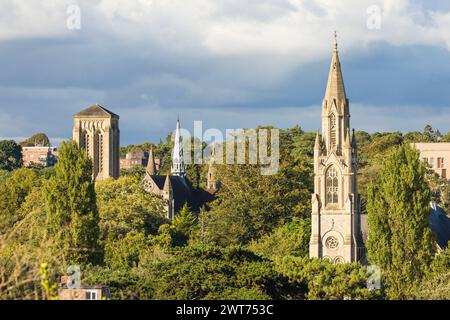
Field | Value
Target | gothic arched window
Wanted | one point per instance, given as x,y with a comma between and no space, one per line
332,185
333,130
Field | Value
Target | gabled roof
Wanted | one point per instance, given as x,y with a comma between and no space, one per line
96,111
183,191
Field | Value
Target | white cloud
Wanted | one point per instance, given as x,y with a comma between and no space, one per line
299,29
217,53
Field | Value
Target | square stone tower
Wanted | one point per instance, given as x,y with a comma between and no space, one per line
335,219
96,130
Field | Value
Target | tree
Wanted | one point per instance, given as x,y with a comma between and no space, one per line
362,138
13,193
430,135
446,138
38,139
10,155
250,205
291,239
185,223
127,216
209,272
400,240
318,279
71,205
445,198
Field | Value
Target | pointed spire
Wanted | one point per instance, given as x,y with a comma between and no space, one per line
167,184
347,138
178,168
317,143
151,166
335,84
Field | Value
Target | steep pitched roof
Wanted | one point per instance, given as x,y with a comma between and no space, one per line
151,166
96,111
183,191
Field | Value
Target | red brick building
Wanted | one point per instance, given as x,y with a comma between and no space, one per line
136,158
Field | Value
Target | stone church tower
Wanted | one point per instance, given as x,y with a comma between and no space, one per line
335,220
96,130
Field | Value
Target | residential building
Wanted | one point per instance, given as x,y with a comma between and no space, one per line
39,156
437,156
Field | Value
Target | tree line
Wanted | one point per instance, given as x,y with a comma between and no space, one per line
252,243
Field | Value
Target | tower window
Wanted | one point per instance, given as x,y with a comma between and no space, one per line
332,185
333,129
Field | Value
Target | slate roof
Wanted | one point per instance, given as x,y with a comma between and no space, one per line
439,224
97,111
183,191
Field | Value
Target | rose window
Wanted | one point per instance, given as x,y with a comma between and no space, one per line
332,243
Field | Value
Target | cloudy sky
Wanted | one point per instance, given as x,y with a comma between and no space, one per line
230,63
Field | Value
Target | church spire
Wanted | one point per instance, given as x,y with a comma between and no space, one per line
178,168
151,166
335,86
167,184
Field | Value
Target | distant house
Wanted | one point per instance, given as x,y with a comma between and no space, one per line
137,158
39,156
83,292
437,156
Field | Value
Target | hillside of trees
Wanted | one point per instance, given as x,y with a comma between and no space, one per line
251,244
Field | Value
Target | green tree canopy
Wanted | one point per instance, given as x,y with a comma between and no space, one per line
400,240
71,204
319,279
290,239
208,272
13,193
128,215
38,139
250,205
10,155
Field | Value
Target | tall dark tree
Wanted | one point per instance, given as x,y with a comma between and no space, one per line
71,205
10,155
400,240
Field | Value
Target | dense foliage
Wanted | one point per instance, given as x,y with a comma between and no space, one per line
10,155
400,242
252,243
